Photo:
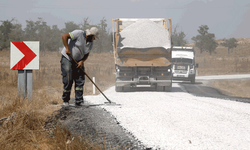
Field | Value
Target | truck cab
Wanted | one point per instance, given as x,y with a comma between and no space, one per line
183,64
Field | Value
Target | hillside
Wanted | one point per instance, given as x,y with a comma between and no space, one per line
220,62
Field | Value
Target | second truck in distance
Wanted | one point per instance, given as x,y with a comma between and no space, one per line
183,61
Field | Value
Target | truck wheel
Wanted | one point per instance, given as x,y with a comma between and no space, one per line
192,80
168,88
159,88
126,89
118,88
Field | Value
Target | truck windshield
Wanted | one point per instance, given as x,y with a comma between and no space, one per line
182,60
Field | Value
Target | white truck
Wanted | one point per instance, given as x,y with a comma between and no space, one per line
183,63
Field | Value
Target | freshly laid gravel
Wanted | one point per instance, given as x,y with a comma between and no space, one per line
178,120
144,34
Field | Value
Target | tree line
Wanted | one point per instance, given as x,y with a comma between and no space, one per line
50,37
204,41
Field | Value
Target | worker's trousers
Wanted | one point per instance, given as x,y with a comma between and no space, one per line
72,74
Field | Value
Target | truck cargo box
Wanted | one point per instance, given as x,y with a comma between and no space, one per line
142,45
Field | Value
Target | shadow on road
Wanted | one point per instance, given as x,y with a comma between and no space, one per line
199,89
150,89
187,82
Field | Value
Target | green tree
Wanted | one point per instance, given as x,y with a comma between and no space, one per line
200,39
178,38
43,32
37,31
103,25
85,24
210,44
49,38
230,44
205,41
16,33
103,44
5,29
30,31
70,26
55,40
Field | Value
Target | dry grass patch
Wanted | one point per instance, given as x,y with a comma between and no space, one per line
24,127
237,88
237,62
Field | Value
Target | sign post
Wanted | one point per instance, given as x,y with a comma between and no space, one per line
22,83
24,58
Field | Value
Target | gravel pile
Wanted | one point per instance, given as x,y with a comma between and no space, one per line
144,34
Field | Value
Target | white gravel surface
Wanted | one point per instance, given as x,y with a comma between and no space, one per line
145,34
180,121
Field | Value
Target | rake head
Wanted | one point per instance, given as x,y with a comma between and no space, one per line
111,103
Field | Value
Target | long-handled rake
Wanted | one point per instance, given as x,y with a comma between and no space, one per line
109,101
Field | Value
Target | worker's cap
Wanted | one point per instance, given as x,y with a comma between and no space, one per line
92,31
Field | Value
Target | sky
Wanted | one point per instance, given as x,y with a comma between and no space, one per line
225,18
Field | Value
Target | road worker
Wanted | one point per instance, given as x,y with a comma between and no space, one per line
77,45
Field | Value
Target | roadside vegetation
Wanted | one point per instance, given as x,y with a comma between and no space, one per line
24,127
50,36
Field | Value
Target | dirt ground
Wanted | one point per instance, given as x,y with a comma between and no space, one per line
236,88
97,125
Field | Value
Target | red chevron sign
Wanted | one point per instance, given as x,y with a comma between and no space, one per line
28,53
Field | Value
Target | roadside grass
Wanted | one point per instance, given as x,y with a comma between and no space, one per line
220,62
24,126
236,88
